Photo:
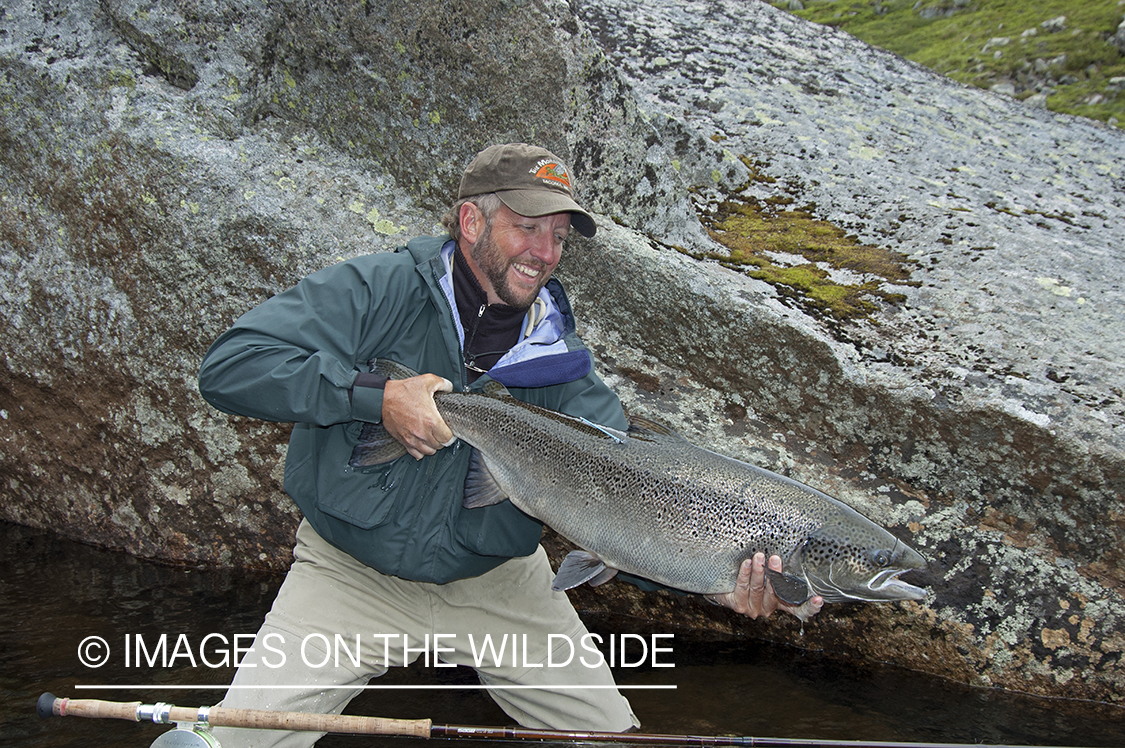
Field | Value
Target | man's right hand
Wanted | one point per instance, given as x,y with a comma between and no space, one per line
411,416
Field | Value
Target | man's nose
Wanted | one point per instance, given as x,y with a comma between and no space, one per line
545,249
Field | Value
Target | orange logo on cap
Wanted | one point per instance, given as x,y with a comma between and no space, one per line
553,172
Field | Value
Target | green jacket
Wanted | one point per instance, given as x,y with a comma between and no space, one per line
295,358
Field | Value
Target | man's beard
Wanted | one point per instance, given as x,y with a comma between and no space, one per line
495,267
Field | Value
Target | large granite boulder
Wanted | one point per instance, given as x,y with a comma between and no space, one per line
812,255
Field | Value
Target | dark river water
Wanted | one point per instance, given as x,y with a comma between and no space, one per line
55,594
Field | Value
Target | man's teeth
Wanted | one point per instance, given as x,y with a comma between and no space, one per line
526,270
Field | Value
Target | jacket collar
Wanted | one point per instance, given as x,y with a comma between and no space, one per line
552,337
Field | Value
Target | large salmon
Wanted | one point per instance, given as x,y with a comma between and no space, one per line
649,503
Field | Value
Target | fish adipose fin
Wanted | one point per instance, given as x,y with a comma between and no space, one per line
481,489
790,589
579,567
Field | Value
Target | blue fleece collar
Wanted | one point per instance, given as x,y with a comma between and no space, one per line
543,357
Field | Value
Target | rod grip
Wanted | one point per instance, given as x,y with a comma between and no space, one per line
342,723
48,705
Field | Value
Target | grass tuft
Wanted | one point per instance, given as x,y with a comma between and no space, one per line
1071,66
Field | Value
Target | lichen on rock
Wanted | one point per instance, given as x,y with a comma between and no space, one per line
971,399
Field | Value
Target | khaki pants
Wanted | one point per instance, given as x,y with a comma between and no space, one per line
308,641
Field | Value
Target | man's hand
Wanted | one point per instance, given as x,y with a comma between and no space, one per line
411,416
753,596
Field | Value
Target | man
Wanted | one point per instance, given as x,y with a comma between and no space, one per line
391,556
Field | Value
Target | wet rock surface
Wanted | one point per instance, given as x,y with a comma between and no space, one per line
167,166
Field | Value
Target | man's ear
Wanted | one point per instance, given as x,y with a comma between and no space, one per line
471,220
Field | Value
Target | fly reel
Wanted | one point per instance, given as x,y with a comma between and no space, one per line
187,735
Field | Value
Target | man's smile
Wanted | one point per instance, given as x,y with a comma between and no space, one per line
527,271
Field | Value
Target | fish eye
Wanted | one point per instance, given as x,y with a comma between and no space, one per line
882,559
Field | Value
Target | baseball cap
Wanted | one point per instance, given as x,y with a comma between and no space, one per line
528,179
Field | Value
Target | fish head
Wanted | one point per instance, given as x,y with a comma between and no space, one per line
857,561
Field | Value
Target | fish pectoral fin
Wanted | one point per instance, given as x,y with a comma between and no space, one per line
376,447
791,590
481,488
579,567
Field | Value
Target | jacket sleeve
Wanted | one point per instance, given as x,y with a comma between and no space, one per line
294,358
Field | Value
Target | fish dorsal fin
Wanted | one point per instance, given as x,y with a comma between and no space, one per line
492,388
790,589
642,427
579,567
481,488
617,436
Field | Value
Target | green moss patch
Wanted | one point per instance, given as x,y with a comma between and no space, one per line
794,251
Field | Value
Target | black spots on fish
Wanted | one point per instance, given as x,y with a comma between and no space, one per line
827,547
831,546
822,548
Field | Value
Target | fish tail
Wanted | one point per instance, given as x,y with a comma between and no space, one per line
376,447
390,369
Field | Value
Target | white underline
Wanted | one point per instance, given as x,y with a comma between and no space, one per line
211,687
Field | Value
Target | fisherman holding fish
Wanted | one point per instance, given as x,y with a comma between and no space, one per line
388,555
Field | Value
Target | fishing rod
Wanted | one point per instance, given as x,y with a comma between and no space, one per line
192,721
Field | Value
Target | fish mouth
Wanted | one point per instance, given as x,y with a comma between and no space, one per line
887,586
884,586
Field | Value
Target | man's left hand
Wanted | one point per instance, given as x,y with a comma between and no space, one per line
753,596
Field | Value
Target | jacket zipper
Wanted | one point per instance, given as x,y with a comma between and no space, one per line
452,311
471,363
